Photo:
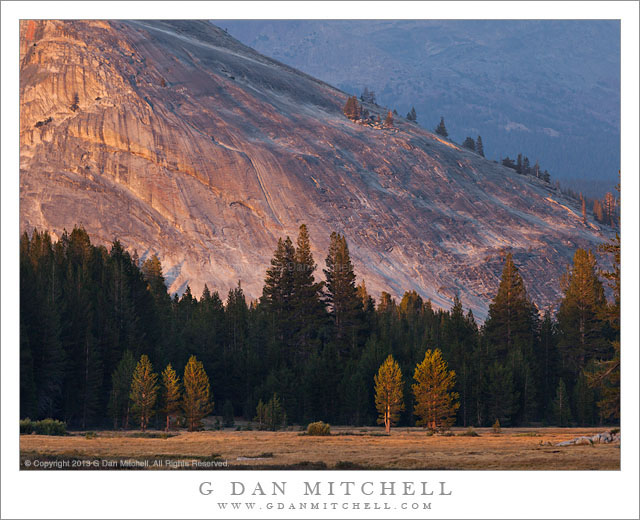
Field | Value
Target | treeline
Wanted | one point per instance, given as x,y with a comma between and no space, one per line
522,165
87,312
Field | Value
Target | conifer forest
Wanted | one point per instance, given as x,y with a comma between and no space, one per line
98,328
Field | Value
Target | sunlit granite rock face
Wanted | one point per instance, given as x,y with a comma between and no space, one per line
178,140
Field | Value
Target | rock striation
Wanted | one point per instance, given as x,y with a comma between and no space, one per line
178,140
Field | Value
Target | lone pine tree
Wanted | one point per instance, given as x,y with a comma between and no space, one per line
170,394
479,147
144,391
412,115
388,121
441,129
388,386
196,399
435,401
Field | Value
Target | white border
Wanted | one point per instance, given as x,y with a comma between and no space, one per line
476,494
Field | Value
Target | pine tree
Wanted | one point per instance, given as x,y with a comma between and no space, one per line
512,316
597,211
119,399
351,108
580,323
341,294
196,399
170,394
388,121
561,408
274,414
548,362
508,163
144,391
499,393
388,387
519,164
435,402
583,209
368,96
479,147
441,129
412,115
308,310
228,418
469,144
278,293
609,207
584,402
605,375
261,415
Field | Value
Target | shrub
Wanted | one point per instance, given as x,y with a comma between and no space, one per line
90,435
470,432
319,428
152,435
496,427
26,426
50,427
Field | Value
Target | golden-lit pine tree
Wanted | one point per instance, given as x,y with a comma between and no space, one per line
389,398
196,400
435,401
170,393
144,391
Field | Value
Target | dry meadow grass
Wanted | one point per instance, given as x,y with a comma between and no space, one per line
346,448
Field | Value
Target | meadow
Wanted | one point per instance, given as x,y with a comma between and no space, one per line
345,448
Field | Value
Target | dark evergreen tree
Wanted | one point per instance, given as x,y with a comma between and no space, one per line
479,147
119,401
341,295
441,129
508,163
561,407
470,144
519,164
412,115
512,316
526,167
548,363
500,394
510,333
